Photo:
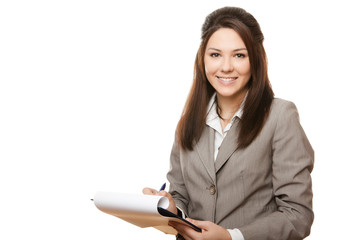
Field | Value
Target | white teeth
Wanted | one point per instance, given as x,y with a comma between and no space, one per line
226,79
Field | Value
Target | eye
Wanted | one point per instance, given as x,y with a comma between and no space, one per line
214,55
240,55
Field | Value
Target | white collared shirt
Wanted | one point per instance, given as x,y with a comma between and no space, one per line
213,121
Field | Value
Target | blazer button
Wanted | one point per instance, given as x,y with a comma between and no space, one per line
212,190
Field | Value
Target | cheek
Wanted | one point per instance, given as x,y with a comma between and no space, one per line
206,66
243,68
209,72
210,67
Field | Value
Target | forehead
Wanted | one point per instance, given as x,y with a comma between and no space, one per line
225,38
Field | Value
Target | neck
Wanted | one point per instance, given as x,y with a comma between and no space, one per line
229,105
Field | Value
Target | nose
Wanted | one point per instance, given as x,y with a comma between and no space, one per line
227,65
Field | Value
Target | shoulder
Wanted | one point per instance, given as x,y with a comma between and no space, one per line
282,111
279,105
282,108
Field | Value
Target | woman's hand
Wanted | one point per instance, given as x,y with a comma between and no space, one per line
210,231
172,206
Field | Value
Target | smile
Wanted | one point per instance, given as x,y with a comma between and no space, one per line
226,79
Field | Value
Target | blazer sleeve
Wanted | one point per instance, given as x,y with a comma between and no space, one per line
175,177
293,159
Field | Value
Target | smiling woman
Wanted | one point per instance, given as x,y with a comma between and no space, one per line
232,44
241,162
227,68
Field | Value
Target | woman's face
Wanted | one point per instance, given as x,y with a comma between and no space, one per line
227,64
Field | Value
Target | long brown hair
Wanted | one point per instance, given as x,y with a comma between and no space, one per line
260,94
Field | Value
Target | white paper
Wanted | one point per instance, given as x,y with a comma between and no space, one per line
140,210
120,203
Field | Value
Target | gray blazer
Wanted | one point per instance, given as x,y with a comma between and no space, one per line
264,189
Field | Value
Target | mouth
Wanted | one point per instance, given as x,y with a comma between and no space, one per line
226,79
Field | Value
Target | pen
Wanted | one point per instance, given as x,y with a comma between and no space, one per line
162,187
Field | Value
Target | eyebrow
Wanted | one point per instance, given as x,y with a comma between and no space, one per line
235,50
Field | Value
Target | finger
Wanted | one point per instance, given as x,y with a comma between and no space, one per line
185,230
178,228
201,224
164,194
149,191
172,205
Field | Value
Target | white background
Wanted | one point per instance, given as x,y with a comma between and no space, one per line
91,92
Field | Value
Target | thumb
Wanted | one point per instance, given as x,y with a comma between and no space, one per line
149,191
201,224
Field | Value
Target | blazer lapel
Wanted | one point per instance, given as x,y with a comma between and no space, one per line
205,150
228,146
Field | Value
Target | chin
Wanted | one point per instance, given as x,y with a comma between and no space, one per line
230,94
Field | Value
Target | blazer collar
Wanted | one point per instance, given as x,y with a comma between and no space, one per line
205,148
228,146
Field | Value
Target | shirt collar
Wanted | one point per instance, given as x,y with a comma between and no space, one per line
213,119
211,108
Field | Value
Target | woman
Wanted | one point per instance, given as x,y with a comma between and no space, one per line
241,162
